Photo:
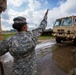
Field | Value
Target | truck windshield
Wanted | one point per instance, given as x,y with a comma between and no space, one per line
67,22
57,22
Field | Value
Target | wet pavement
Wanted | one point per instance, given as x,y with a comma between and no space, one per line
63,55
45,64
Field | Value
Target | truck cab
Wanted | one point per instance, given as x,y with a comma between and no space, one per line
65,29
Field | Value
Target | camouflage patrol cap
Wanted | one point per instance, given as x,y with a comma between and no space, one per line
20,20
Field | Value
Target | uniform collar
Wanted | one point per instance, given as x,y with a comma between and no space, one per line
22,32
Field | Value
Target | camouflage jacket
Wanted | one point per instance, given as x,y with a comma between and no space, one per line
22,47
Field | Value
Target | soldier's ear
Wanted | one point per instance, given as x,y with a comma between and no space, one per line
25,26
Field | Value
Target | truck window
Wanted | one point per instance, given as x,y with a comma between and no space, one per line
57,22
67,22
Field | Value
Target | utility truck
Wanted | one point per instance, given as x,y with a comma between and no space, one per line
65,29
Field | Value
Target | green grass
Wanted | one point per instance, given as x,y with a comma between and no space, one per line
40,38
46,37
6,36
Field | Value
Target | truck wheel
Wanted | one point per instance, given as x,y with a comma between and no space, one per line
58,39
74,42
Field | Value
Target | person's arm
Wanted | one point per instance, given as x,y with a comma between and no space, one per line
38,31
4,46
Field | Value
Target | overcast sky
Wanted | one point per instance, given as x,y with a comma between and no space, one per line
34,11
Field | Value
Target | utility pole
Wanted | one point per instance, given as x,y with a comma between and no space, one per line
3,6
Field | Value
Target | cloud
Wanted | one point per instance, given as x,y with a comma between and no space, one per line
69,6
5,15
46,3
16,2
34,4
36,10
65,9
6,25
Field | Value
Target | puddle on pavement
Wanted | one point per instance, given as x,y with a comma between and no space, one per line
43,49
44,45
63,56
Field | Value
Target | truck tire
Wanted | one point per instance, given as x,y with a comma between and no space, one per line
74,42
58,39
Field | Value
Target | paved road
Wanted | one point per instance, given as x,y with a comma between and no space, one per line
45,66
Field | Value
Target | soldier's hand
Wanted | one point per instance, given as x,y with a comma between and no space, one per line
47,12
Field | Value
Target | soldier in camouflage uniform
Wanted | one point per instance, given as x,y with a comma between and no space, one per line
22,46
